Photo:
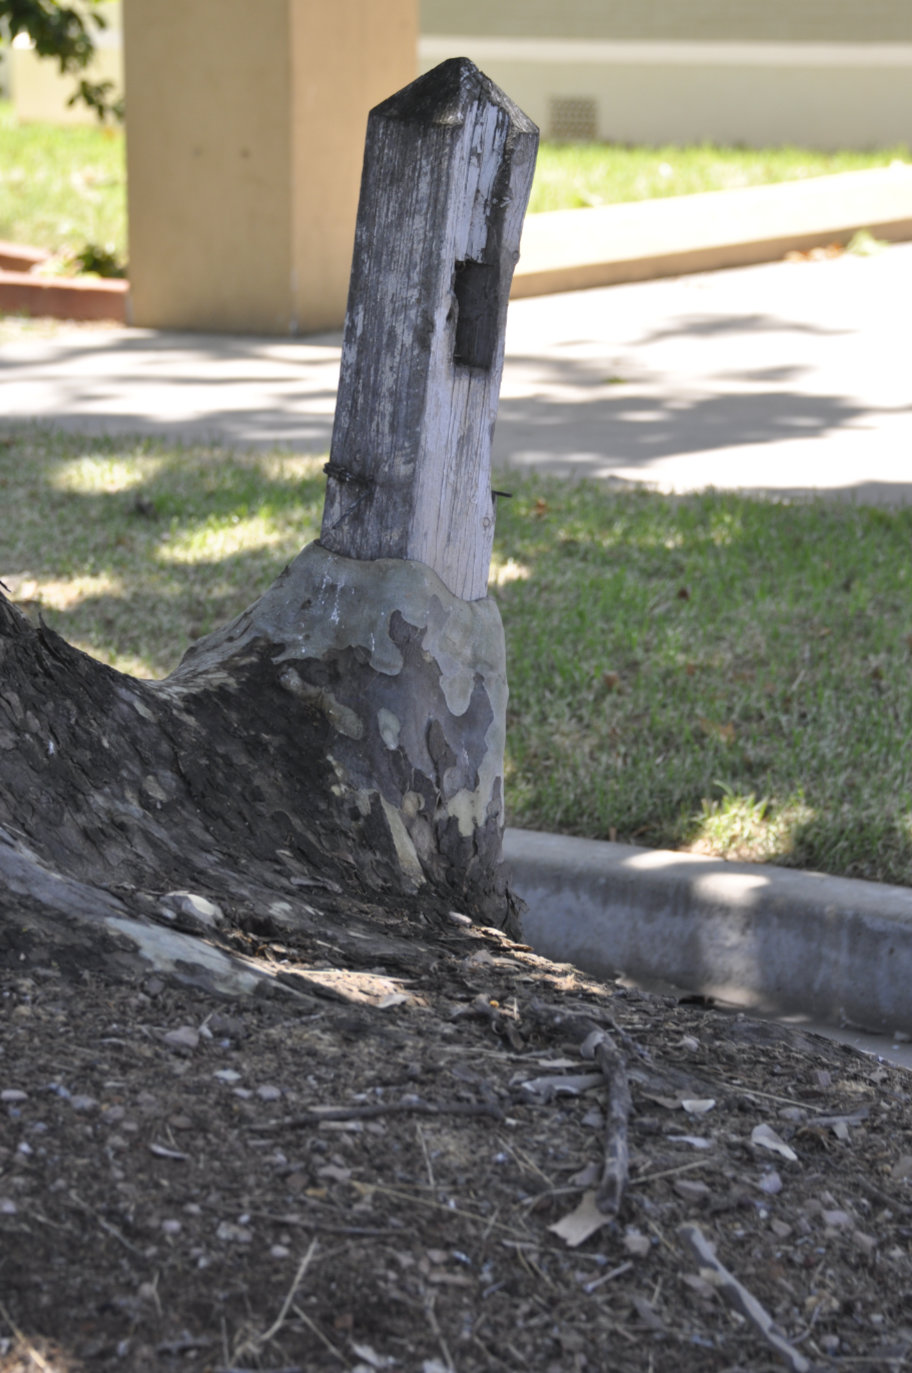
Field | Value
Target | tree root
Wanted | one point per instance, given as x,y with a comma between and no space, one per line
595,1044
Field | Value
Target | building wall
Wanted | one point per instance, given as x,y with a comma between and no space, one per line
245,135
769,21
350,55
208,147
825,73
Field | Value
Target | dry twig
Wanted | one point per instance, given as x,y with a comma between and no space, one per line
392,1108
105,1225
315,1329
34,1353
595,1043
257,1343
740,1299
601,1048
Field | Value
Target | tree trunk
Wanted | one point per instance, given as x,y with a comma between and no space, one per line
341,740
344,734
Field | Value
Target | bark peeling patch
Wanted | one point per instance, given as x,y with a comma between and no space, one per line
169,951
405,849
389,727
342,718
324,603
410,676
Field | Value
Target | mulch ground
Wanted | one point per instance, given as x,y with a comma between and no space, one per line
400,1170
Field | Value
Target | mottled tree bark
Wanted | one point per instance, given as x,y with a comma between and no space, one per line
343,735
342,740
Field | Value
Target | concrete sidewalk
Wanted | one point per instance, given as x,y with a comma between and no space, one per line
784,377
572,250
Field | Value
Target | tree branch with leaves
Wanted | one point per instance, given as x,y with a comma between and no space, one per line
67,33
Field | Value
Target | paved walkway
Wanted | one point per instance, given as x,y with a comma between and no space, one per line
785,377
642,240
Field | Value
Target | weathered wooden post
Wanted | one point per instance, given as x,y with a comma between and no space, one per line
447,171
404,654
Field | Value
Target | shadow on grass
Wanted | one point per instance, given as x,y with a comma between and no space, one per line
131,549
662,652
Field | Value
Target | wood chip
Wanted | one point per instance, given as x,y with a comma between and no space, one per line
902,1168
161,1151
545,1089
579,1224
764,1137
692,1190
636,1243
183,1040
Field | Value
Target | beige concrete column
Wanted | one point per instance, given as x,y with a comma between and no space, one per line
245,134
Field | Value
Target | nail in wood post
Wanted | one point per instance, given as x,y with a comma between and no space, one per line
447,171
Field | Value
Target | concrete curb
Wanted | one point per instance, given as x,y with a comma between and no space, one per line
775,940
63,297
23,291
571,250
16,257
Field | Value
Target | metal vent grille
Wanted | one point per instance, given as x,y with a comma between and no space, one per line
573,119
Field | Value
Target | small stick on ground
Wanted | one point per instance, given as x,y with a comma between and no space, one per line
600,1047
34,1354
740,1299
595,1043
290,1368
315,1329
393,1108
435,1326
427,1156
257,1343
105,1225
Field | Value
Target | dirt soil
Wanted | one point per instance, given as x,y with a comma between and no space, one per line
369,1176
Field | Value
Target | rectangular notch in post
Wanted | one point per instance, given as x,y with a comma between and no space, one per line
475,289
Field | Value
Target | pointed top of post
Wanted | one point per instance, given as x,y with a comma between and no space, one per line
447,169
445,96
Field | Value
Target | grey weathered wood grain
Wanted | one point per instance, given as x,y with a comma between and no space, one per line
447,172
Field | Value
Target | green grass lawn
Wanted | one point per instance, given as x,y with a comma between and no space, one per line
573,175
713,672
64,188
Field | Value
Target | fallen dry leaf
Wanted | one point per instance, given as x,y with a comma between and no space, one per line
766,1138
697,1106
579,1224
724,732
691,1191
160,1151
545,1089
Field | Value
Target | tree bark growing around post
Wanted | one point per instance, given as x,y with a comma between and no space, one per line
343,737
